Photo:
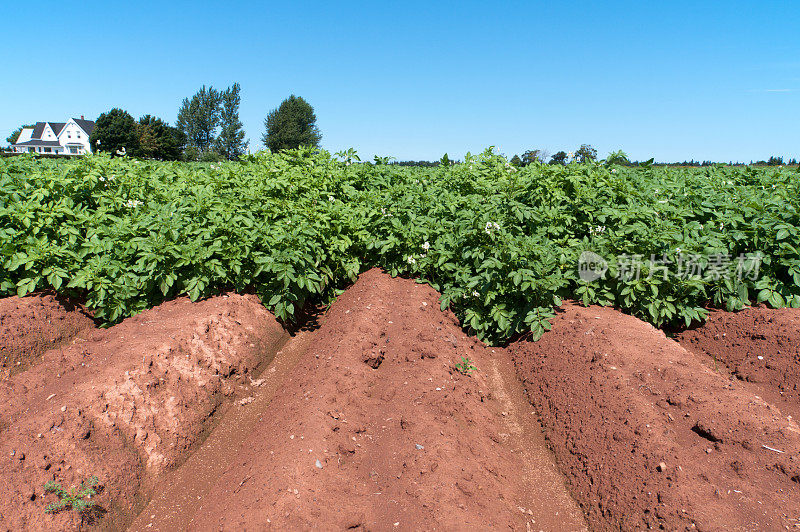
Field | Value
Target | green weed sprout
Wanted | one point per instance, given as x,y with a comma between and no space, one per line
465,367
76,498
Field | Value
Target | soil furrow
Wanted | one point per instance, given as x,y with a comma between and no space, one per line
179,494
375,429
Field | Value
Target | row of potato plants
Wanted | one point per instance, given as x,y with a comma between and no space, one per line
501,244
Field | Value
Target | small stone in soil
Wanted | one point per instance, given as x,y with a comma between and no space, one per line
419,447
318,464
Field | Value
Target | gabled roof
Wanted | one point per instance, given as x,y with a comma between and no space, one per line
25,134
86,125
38,129
36,132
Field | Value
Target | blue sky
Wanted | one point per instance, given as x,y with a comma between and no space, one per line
670,80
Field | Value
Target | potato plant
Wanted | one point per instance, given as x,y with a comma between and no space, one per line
501,244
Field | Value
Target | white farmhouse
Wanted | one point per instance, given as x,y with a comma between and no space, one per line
59,138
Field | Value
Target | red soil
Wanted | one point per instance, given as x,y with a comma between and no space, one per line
648,436
31,325
365,423
125,404
759,346
374,429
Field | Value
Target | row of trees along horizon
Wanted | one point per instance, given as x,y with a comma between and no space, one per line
208,129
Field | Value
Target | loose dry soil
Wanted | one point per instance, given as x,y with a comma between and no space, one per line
125,404
374,429
650,437
31,325
756,346
210,416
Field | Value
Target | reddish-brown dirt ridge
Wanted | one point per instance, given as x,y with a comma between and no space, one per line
758,346
648,436
209,415
376,430
125,404
31,325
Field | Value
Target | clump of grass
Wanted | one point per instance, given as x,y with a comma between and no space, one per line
465,367
77,499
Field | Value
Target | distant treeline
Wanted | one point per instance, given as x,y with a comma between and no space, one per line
424,164
772,161
587,153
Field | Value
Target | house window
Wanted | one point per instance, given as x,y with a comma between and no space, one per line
31,150
78,133
47,150
73,150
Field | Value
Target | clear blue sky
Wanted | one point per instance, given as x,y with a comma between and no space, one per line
671,80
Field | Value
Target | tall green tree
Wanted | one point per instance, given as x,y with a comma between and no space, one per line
115,130
159,140
230,143
12,138
199,118
516,161
532,156
291,125
586,153
559,157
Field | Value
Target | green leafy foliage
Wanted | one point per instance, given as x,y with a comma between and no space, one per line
77,498
199,117
501,243
465,367
159,140
115,130
230,143
292,125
